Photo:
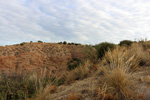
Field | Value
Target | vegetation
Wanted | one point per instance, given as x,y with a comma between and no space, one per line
22,43
92,54
64,42
17,86
102,48
59,42
72,64
39,41
81,72
120,76
110,72
126,43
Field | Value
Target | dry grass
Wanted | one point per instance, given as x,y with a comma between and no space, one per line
121,57
120,75
116,78
142,53
49,89
80,72
74,96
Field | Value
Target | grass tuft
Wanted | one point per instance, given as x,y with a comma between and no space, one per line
121,74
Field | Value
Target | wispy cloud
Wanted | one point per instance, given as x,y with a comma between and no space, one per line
85,21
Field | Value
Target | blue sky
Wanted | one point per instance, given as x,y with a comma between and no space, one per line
81,21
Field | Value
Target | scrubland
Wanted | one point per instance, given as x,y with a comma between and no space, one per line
109,72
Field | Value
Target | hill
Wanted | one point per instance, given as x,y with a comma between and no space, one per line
39,71
35,56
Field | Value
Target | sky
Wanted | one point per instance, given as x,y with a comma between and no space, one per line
79,21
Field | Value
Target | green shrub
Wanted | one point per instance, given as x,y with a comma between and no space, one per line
72,64
69,43
77,44
22,43
16,87
59,42
64,42
104,47
40,41
23,86
125,43
72,43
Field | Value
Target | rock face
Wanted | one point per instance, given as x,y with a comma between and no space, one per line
35,56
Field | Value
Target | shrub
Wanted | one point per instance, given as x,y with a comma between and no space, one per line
72,43
15,86
40,41
59,42
77,44
104,47
69,43
64,42
72,64
22,43
125,43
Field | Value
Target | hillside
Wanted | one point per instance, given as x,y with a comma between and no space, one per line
35,56
40,71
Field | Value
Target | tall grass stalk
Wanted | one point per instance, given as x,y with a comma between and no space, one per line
121,74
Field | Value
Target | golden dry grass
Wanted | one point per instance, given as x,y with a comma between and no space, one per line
121,74
73,96
142,53
117,78
80,72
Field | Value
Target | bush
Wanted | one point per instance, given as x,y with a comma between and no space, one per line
69,43
59,42
22,43
125,43
40,41
77,44
16,86
72,43
72,64
104,47
64,42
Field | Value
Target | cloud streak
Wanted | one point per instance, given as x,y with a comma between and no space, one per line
83,21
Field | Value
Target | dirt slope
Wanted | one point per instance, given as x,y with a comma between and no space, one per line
35,56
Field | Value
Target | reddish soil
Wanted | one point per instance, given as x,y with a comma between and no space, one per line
36,56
